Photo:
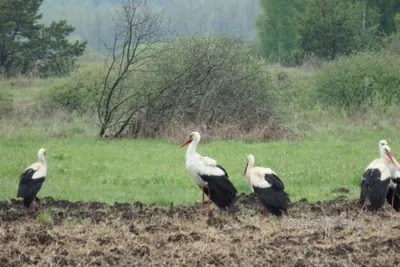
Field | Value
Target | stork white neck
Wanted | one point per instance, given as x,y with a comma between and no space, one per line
191,150
41,157
193,140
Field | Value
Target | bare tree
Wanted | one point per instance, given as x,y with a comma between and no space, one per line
150,84
219,84
137,28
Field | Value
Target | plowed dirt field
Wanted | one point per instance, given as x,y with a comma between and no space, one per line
334,233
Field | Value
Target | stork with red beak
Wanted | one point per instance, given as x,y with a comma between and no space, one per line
377,182
211,177
268,187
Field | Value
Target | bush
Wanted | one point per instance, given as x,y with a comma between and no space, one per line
77,92
223,85
354,83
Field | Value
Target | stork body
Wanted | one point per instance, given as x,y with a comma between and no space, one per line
377,181
32,179
268,187
211,177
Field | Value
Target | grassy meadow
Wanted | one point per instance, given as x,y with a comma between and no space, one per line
328,151
153,171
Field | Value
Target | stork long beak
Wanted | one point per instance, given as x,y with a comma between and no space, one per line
390,155
186,142
245,169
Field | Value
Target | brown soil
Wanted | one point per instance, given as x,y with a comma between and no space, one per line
335,233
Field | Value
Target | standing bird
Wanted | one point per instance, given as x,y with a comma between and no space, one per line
211,177
31,180
377,179
268,187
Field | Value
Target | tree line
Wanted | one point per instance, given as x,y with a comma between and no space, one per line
289,30
286,31
151,83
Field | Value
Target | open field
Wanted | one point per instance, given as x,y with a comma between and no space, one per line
133,203
153,171
335,233
325,150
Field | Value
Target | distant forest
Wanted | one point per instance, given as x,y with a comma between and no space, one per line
186,17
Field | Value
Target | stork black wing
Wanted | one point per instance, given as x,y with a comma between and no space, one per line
273,198
26,176
28,187
274,181
222,168
275,201
373,188
221,190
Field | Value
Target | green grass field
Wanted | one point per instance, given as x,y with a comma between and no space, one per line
332,151
153,171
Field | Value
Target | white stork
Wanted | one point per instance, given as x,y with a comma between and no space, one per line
377,181
268,187
211,177
31,181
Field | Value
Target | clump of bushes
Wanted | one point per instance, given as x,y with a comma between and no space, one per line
212,84
77,92
360,81
221,85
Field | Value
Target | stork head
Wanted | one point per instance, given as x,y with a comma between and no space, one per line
249,162
386,153
195,136
41,154
382,143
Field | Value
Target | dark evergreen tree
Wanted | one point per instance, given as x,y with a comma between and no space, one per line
276,30
328,28
387,12
26,45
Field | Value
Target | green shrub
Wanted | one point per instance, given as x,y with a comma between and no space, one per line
356,82
77,92
215,82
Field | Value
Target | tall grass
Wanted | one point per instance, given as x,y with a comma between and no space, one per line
303,115
26,117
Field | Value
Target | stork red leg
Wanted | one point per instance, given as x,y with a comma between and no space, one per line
34,206
209,197
202,201
262,209
392,198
